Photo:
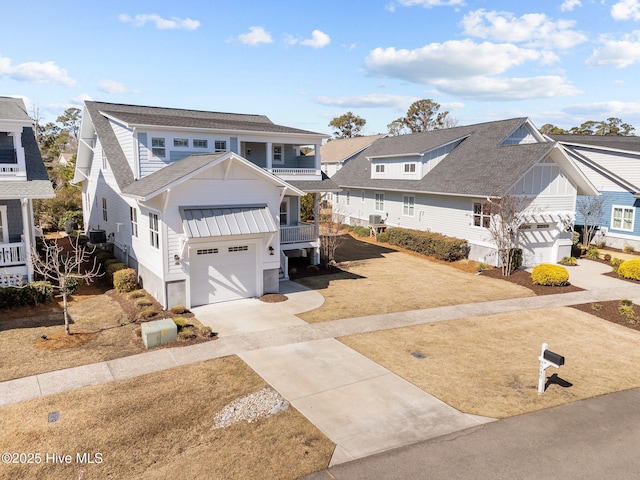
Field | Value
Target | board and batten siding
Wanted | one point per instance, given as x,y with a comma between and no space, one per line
550,187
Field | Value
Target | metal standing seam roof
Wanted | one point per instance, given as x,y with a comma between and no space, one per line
202,222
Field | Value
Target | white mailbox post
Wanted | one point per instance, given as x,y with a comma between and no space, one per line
547,359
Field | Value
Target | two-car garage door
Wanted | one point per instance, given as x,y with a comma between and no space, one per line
220,273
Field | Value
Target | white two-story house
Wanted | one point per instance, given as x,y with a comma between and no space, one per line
446,180
204,205
23,178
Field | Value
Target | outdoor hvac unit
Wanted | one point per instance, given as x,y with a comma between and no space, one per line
97,236
375,219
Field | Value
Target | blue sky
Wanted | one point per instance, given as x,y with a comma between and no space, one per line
303,62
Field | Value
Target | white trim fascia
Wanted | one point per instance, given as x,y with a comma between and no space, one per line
416,154
598,147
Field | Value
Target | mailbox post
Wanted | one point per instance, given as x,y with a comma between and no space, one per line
547,359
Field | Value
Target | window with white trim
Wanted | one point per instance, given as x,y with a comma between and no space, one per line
622,217
284,212
278,154
482,214
408,205
362,196
105,164
181,142
379,205
380,168
133,216
154,230
220,145
409,168
200,143
158,147
104,209
348,198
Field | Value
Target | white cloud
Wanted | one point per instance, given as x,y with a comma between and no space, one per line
505,89
618,53
81,98
256,36
368,101
426,3
626,10
453,59
318,39
569,5
604,109
36,72
111,86
173,23
533,29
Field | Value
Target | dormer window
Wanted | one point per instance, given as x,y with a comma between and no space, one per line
158,147
409,168
379,168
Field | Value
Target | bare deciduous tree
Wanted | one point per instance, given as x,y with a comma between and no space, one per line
507,215
330,236
65,270
591,208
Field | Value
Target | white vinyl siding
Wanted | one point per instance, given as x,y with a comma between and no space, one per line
622,218
623,165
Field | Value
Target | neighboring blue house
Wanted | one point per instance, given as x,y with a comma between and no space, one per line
612,164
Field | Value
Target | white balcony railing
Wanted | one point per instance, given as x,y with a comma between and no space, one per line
12,254
304,232
294,171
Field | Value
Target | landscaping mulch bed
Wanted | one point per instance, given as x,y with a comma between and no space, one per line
609,311
523,278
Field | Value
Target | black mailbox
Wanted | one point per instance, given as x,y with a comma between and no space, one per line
553,357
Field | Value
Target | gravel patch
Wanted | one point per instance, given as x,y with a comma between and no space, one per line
251,408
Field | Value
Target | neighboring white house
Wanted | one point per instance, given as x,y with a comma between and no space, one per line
204,205
612,164
337,152
23,177
444,181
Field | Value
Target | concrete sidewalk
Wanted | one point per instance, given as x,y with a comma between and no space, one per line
361,406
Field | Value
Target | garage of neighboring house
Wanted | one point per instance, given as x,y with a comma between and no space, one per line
546,237
225,245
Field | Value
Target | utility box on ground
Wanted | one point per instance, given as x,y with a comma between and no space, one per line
159,332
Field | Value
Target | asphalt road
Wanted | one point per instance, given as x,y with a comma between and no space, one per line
597,438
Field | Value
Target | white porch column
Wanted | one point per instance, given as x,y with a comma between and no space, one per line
269,155
315,259
26,237
318,159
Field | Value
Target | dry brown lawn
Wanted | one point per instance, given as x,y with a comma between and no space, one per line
489,365
159,426
398,281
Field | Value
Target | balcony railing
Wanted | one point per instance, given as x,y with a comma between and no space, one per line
303,232
12,254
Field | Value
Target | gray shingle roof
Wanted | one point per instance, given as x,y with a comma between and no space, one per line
38,184
169,117
13,109
631,144
169,174
478,166
309,186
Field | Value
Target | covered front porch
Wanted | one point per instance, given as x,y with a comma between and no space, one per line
285,160
16,241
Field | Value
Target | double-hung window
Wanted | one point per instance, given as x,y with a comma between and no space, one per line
380,168
278,154
104,209
622,218
133,214
408,205
482,214
158,147
181,142
154,231
409,168
379,205
220,145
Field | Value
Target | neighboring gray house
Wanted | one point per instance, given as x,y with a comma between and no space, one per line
23,177
444,180
612,164
205,205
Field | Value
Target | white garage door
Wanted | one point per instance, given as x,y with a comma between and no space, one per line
223,273
537,244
